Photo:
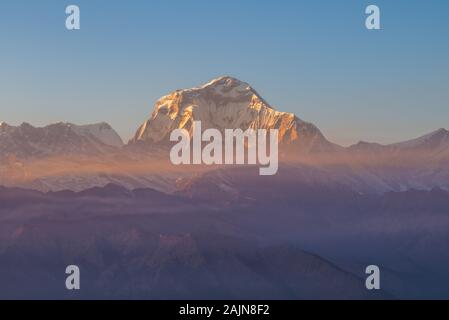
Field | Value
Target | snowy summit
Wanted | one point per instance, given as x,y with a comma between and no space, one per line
226,103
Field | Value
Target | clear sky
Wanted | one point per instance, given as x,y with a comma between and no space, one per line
313,58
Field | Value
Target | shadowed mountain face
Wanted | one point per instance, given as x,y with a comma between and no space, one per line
307,242
133,263
144,244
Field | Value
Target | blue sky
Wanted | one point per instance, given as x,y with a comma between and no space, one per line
313,58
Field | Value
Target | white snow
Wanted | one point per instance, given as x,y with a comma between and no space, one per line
223,103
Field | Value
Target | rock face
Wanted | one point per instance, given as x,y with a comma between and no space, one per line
26,141
227,103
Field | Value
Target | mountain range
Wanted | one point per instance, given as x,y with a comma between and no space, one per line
141,228
303,241
94,155
26,141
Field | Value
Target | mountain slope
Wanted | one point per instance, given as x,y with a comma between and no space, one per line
100,131
227,103
438,139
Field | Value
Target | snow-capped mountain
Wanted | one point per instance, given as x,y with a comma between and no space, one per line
432,146
102,132
438,139
26,141
227,103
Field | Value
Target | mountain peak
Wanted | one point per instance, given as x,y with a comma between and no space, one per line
224,80
362,144
26,125
442,130
225,87
225,103
101,131
438,138
26,141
